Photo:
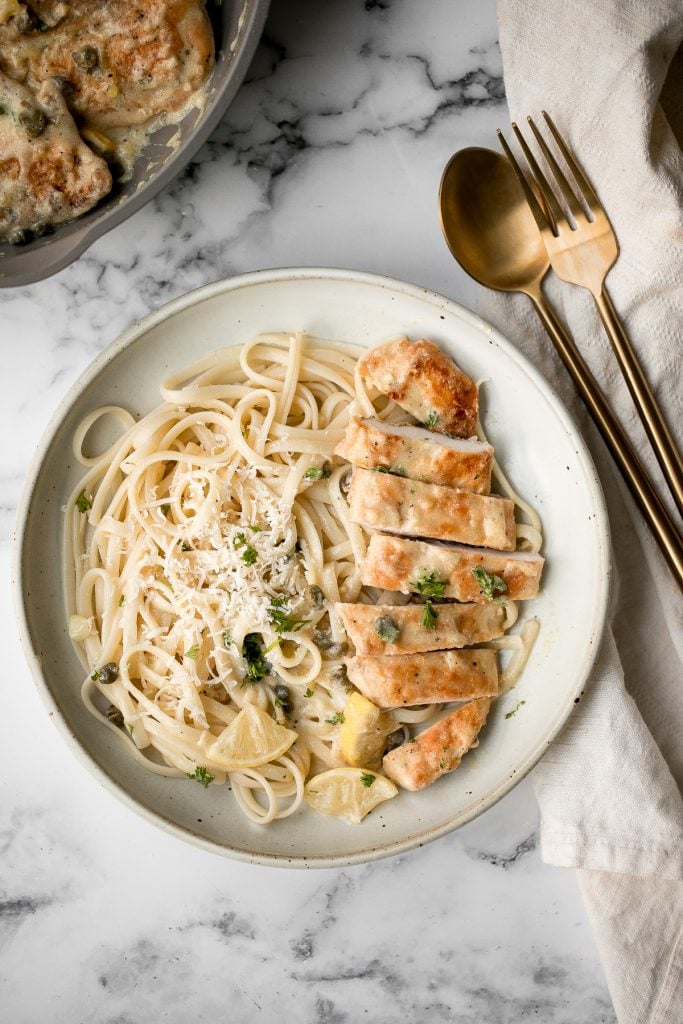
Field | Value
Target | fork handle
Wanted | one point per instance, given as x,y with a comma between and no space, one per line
656,428
654,511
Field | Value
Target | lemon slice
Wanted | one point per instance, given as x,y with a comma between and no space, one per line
363,734
348,793
251,739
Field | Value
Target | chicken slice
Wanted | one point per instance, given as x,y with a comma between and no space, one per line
422,379
437,750
433,678
381,501
120,63
47,173
448,570
418,453
452,625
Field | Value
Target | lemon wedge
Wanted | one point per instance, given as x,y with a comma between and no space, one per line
348,793
252,738
362,737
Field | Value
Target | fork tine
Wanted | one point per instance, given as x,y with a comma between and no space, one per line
583,182
557,216
534,205
565,188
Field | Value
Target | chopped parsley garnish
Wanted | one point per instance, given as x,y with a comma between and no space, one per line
367,779
489,584
193,652
337,719
309,692
254,529
281,601
226,638
387,629
318,472
282,622
239,541
395,470
429,616
185,547
443,765
83,502
249,555
514,711
429,585
121,600
165,509
432,420
202,776
252,652
95,676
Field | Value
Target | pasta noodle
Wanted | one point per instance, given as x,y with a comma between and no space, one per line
217,526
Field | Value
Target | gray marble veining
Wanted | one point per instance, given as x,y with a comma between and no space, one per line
331,155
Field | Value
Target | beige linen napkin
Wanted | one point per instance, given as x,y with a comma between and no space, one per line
609,787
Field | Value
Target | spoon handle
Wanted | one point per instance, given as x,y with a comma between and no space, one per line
650,504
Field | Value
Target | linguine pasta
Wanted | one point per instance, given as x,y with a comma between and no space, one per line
206,549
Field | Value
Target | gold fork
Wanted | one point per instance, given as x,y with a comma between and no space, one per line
583,253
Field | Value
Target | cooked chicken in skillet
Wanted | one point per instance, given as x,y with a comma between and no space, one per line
47,173
420,627
119,62
418,453
425,381
437,750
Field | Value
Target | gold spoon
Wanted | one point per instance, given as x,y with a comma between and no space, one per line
491,231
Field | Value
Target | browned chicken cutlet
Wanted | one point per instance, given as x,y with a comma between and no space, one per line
47,173
379,501
120,63
415,628
433,678
437,750
425,382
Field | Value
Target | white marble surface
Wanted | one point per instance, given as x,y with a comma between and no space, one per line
331,155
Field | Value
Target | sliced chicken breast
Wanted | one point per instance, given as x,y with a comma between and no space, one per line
404,632
119,63
381,501
418,453
448,570
426,382
437,750
47,173
433,678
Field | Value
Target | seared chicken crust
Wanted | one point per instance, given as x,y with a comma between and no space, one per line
437,750
47,173
426,382
381,501
418,453
454,625
434,678
396,563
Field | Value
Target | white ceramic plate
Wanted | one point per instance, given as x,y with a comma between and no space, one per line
537,444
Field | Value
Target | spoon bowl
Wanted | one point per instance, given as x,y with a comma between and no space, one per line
487,223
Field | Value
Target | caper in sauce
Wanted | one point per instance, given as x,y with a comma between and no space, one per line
87,58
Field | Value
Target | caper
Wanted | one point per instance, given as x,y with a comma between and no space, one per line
114,715
86,59
66,87
345,483
282,698
34,121
3,108
340,677
316,596
41,230
109,673
322,638
395,740
26,21
19,237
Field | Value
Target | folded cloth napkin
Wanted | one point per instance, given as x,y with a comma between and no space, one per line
609,788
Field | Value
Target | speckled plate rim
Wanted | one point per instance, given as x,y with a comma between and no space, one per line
248,280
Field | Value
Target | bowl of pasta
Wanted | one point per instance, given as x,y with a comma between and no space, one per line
302,594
